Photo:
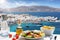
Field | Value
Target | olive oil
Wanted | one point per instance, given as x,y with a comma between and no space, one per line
19,30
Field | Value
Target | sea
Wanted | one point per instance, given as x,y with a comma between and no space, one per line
43,14
32,26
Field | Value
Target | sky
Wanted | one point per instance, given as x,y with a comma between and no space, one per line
17,3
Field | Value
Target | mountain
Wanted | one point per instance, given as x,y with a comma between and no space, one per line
33,9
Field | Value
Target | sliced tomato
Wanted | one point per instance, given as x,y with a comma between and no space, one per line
17,36
10,35
13,38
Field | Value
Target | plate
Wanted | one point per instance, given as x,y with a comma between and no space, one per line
32,38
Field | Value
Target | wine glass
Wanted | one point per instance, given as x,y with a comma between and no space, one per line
19,22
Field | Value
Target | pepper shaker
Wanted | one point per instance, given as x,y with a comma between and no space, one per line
55,37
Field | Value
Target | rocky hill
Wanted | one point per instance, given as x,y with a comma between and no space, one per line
32,9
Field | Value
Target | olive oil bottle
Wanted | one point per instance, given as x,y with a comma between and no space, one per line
19,30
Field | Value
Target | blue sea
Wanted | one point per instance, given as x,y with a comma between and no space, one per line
44,14
32,26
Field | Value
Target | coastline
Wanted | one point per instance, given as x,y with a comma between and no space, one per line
30,20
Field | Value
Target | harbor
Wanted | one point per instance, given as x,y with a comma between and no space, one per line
9,22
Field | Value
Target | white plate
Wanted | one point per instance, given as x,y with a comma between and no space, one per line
32,38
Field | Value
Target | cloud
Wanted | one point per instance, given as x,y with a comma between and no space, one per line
6,4
3,3
50,0
26,4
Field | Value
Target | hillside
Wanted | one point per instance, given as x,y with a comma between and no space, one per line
32,9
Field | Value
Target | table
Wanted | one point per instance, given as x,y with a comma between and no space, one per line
46,38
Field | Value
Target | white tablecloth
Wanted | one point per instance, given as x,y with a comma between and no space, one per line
47,38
